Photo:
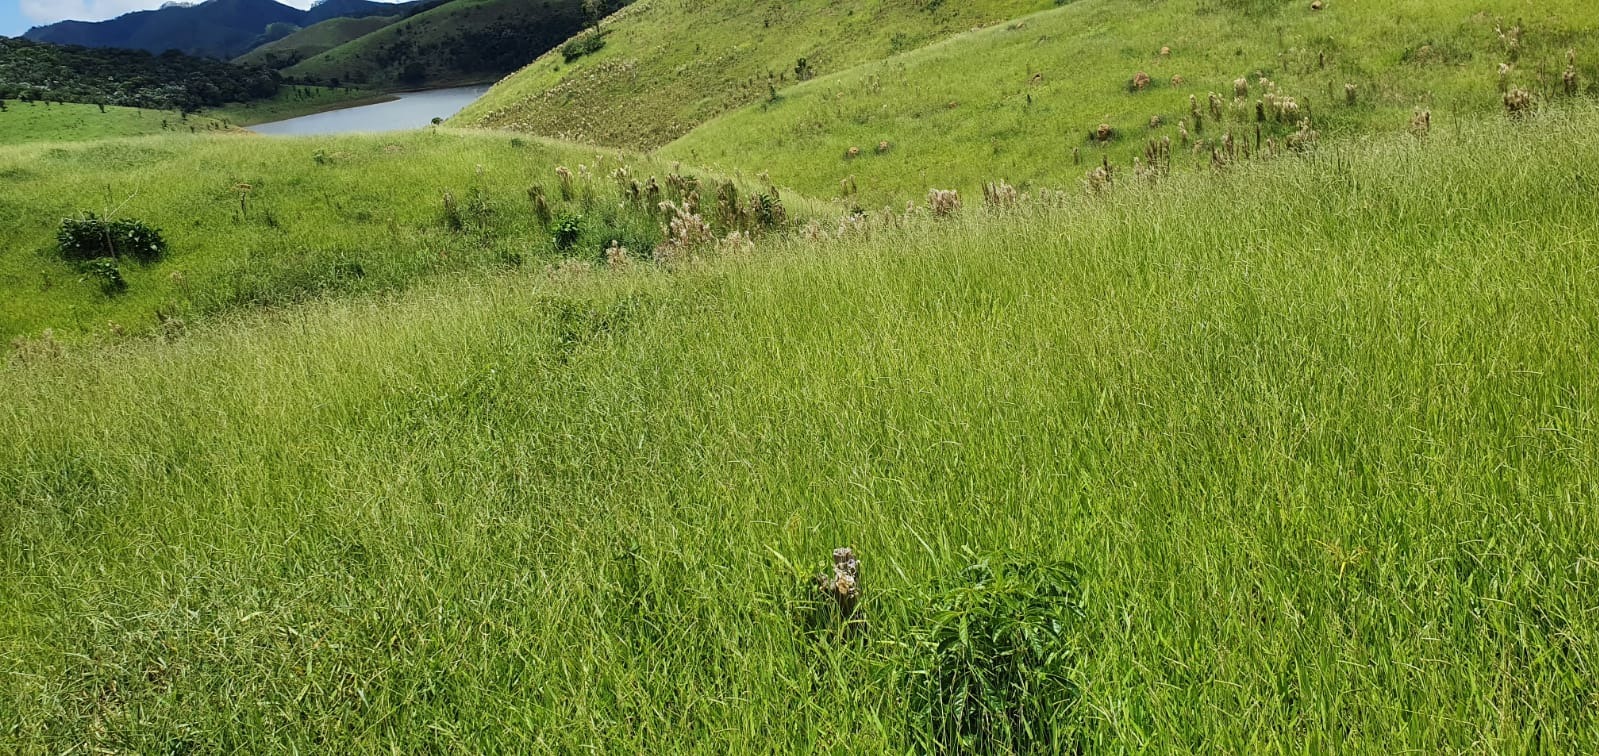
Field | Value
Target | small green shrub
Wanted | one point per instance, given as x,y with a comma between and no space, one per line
768,210
565,230
104,270
90,238
993,657
581,45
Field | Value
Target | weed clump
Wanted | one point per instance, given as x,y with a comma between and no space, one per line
999,195
585,44
565,175
686,231
1303,139
992,660
1421,123
565,230
91,237
1518,102
943,202
104,271
617,256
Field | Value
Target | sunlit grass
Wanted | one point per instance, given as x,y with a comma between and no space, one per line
1319,435
24,122
256,221
1022,100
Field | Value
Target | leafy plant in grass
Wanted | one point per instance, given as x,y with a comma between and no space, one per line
992,659
581,45
104,270
565,230
91,237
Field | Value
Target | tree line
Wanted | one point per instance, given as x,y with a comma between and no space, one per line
131,78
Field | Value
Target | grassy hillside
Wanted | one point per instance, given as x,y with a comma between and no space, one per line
670,65
254,222
465,41
313,41
38,122
1321,446
1015,101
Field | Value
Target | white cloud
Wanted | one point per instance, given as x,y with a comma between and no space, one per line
51,11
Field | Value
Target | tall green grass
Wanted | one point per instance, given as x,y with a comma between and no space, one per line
1022,100
669,66
1319,436
29,122
267,222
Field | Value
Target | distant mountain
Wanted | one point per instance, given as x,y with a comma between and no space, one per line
313,41
454,42
215,28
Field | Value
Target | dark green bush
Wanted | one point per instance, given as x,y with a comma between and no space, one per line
992,660
585,44
104,270
90,238
565,230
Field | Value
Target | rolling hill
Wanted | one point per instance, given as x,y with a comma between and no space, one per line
314,40
669,66
910,95
214,28
1025,100
463,41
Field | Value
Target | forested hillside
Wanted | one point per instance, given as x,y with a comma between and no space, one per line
132,78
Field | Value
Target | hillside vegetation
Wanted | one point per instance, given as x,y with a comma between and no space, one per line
463,41
1317,435
670,65
255,222
1027,100
132,78
45,122
314,40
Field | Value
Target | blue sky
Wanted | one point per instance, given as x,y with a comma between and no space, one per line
17,15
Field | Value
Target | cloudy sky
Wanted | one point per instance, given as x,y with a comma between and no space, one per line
17,15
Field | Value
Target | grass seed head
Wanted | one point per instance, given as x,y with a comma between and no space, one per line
1518,102
1421,123
1000,195
617,256
943,202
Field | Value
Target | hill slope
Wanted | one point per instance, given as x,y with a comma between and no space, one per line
214,28
108,76
254,221
668,66
1321,446
463,41
36,122
314,40
1016,101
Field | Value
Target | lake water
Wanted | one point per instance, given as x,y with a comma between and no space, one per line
413,110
